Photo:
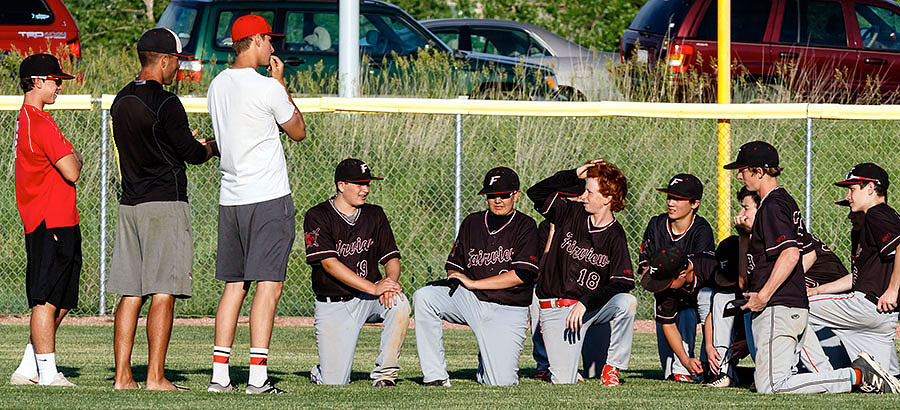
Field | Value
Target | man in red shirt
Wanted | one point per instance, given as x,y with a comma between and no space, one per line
46,169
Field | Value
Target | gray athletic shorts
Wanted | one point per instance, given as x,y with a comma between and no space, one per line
154,250
255,240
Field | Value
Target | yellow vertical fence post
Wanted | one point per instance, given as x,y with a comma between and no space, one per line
723,127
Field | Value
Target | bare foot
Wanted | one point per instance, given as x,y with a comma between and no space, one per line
161,385
129,385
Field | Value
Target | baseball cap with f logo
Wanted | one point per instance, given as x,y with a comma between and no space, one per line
500,180
355,171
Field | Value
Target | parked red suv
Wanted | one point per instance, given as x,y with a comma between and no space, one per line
39,26
821,47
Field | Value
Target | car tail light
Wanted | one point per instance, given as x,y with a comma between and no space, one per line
679,57
189,70
75,48
550,82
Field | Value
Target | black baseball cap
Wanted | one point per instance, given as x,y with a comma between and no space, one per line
355,171
161,40
42,65
842,202
755,154
665,265
865,173
684,186
500,180
727,254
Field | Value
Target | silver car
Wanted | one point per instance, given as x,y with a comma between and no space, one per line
581,73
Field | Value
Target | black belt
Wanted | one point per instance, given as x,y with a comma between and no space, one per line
331,299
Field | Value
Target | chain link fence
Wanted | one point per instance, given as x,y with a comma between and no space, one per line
416,153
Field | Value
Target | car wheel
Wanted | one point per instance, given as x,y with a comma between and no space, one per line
498,91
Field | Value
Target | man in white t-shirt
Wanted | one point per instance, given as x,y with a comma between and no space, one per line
256,212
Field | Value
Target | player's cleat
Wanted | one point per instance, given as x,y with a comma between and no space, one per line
315,375
437,383
384,383
18,379
542,375
683,378
610,376
874,379
218,388
61,381
267,388
722,380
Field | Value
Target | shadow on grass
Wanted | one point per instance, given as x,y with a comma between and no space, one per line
70,372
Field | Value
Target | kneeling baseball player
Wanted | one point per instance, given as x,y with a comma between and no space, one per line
495,258
346,240
586,275
675,279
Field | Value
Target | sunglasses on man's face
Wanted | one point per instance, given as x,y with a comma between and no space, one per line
505,195
58,81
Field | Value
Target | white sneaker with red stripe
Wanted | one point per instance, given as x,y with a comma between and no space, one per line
18,379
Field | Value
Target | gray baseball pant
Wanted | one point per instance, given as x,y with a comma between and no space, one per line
337,330
723,331
538,351
859,326
499,331
564,346
782,335
686,321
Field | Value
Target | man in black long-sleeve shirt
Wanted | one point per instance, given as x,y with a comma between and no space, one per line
154,249
586,275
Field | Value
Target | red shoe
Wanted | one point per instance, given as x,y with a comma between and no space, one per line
682,378
543,375
610,376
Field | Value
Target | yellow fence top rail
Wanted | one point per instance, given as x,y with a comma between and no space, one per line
63,102
527,108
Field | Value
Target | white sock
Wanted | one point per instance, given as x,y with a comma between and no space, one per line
46,364
28,366
220,365
259,358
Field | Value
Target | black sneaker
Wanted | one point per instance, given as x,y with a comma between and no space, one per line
384,383
874,378
437,383
267,388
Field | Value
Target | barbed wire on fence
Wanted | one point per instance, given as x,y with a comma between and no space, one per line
417,154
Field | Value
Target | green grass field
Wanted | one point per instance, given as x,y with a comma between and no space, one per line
85,356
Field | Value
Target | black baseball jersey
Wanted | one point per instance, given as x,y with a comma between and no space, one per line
360,244
481,253
778,226
873,259
658,235
671,301
827,267
543,235
585,262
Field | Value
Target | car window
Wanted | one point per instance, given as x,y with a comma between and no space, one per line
307,31
661,16
26,12
383,34
749,28
450,38
180,20
814,23
878,27
227,18
511,43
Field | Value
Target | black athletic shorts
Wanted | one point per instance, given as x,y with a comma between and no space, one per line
54,266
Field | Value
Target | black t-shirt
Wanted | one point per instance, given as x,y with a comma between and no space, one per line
585,262
778,226
671,301
658,235
481,253
360,245
873,259
827,268
154,141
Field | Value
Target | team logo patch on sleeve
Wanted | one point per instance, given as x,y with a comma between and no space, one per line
886,237
312,237
780,239
533,258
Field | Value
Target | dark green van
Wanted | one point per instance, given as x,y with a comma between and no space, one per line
311,43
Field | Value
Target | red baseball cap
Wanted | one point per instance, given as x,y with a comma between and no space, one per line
251,24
